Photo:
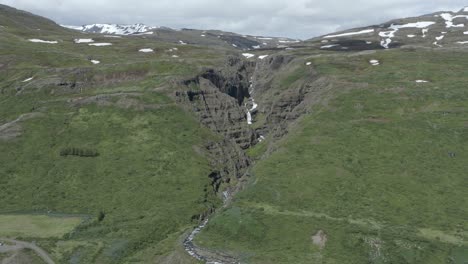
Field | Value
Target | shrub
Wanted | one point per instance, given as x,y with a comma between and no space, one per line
101,216
80,152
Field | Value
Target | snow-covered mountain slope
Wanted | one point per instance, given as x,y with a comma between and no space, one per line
114,29
433,30
190,36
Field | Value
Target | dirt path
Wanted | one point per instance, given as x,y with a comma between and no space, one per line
19,245
12,129
425,233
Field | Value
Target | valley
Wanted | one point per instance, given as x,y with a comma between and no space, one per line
138,144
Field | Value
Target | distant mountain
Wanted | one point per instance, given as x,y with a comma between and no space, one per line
436,30
114,29
190,36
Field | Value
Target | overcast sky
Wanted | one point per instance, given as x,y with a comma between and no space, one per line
290,18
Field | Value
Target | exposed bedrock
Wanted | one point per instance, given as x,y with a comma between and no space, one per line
217,96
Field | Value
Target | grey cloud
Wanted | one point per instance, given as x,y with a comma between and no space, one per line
290,18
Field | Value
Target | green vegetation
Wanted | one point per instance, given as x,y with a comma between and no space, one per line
380,168
40,226
22,256
147,179
100,165
78,152
106,142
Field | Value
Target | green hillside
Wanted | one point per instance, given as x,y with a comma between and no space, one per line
113,155
379,166
103,142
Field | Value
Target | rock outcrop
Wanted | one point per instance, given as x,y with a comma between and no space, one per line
217,96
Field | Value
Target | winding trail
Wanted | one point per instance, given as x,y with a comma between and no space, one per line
19,245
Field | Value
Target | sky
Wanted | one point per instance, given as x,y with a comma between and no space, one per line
301,19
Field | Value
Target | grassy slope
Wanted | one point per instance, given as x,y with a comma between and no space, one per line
371,168
149,178
37,225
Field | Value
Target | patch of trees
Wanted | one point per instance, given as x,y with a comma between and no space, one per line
101,216
80,152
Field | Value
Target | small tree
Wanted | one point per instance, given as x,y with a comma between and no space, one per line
101,216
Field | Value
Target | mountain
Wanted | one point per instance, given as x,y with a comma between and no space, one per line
190,36
177,147
23,21
439,29
114,29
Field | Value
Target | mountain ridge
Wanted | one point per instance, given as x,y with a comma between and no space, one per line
438,29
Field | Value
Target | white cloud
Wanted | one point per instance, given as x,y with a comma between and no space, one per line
292,18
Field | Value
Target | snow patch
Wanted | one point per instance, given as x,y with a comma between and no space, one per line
28,79
262,56
424,32
83,41
100,44
437,44
411,36
462,42
203,35
175,56
388,35
248,55
365,31
449,20
43,41
329,46
146,50
95,62
421,81
374,62
308,63
256,47
386,43
182,43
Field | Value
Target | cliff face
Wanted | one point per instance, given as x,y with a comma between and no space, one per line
246,101
217,97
